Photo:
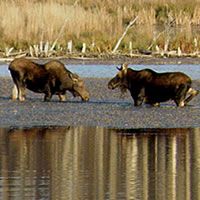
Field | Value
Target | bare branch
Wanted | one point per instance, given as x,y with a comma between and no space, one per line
167,30
124,33
62,28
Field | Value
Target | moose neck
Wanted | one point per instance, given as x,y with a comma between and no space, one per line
130,75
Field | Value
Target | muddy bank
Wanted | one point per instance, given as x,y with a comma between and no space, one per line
135,60
116,60
105,108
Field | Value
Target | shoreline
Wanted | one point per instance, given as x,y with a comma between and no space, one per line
143,60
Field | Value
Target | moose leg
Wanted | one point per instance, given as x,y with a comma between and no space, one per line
62,97
47,96
14,94
139,98
138,102
179,103
22,93
21,90
180,95
48,93
192,92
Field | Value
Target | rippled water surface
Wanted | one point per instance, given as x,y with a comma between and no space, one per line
99,163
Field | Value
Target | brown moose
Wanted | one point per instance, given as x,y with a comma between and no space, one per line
51,79
150,87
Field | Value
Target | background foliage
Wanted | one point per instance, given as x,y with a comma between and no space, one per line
100,23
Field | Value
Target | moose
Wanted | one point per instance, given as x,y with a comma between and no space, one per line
149,87
51,79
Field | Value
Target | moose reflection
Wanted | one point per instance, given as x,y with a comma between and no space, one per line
99,163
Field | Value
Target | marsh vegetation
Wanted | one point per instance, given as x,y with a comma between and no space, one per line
99,24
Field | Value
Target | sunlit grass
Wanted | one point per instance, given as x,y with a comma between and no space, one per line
99,22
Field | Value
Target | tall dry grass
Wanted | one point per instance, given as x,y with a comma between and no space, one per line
35,20
26,22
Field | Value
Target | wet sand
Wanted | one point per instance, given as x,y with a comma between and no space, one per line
105,108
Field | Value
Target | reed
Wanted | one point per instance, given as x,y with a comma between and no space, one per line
100,22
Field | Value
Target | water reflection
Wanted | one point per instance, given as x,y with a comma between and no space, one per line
99,163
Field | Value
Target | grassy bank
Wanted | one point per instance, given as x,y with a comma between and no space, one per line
99,24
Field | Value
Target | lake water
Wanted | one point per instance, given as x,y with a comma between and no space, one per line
108,71
97,163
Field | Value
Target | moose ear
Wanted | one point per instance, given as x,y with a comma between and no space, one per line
74,77
123,67
119,68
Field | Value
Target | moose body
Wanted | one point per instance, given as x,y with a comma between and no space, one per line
150,87
50,78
